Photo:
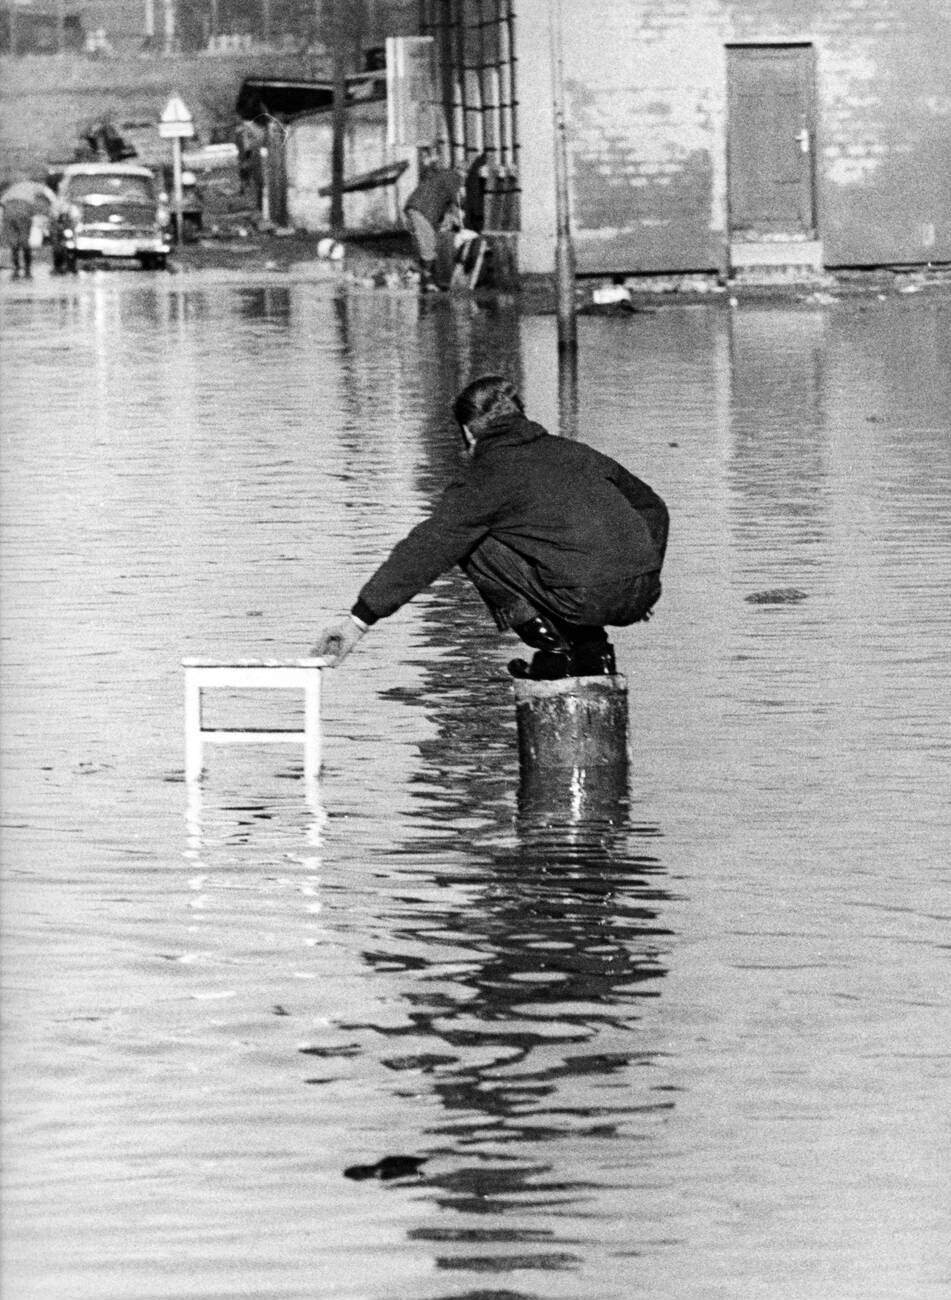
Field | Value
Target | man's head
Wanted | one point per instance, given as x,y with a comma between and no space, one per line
484,403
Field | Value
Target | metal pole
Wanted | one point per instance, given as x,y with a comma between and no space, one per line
568,392
265,185
177,196
564,249
169,40
339,118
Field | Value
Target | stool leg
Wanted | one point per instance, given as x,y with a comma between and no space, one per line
193,754
312,727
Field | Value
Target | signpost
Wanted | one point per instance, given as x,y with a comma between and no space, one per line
176,124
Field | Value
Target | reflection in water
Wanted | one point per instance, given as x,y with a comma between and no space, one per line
531,1044
250,816
684,1062
779,462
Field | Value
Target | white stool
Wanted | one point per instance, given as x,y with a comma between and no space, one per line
244,674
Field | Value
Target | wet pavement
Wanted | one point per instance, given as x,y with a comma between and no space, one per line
695,1047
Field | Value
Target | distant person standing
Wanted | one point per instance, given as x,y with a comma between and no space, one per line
434,198
250,137
476,178
20,203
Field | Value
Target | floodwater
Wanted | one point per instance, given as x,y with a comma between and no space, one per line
693,1048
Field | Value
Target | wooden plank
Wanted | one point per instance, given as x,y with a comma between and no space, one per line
371,180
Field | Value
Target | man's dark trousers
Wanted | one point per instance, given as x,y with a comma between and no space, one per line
510,586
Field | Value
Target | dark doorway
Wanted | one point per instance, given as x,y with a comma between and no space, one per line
770,141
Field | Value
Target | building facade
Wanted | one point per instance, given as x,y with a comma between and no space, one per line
714,135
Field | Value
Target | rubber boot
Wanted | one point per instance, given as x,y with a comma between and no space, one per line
553,659
546,666
592,654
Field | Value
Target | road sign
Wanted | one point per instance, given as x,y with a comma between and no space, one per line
176,123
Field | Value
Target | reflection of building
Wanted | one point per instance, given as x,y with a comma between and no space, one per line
714,136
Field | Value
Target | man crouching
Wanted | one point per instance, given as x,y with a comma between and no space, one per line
558,539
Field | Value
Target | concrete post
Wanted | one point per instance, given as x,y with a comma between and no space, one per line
573,745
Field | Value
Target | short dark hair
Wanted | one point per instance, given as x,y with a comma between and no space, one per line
486,401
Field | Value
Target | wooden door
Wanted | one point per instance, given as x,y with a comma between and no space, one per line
770,141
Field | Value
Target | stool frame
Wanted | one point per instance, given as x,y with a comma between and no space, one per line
251,674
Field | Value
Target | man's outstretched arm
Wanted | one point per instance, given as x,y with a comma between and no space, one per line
456,526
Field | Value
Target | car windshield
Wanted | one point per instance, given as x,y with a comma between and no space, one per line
106,187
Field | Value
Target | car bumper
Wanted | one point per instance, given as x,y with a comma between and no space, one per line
130,246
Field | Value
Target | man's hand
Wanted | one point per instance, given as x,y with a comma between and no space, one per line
338,639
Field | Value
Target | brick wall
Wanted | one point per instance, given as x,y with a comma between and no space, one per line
647,119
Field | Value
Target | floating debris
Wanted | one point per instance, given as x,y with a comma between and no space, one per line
330,250
777,596
88,767
387,1168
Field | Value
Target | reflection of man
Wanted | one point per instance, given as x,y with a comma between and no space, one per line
20,203
435,197
558,539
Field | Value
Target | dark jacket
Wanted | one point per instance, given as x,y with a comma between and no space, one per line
578,516
436,193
